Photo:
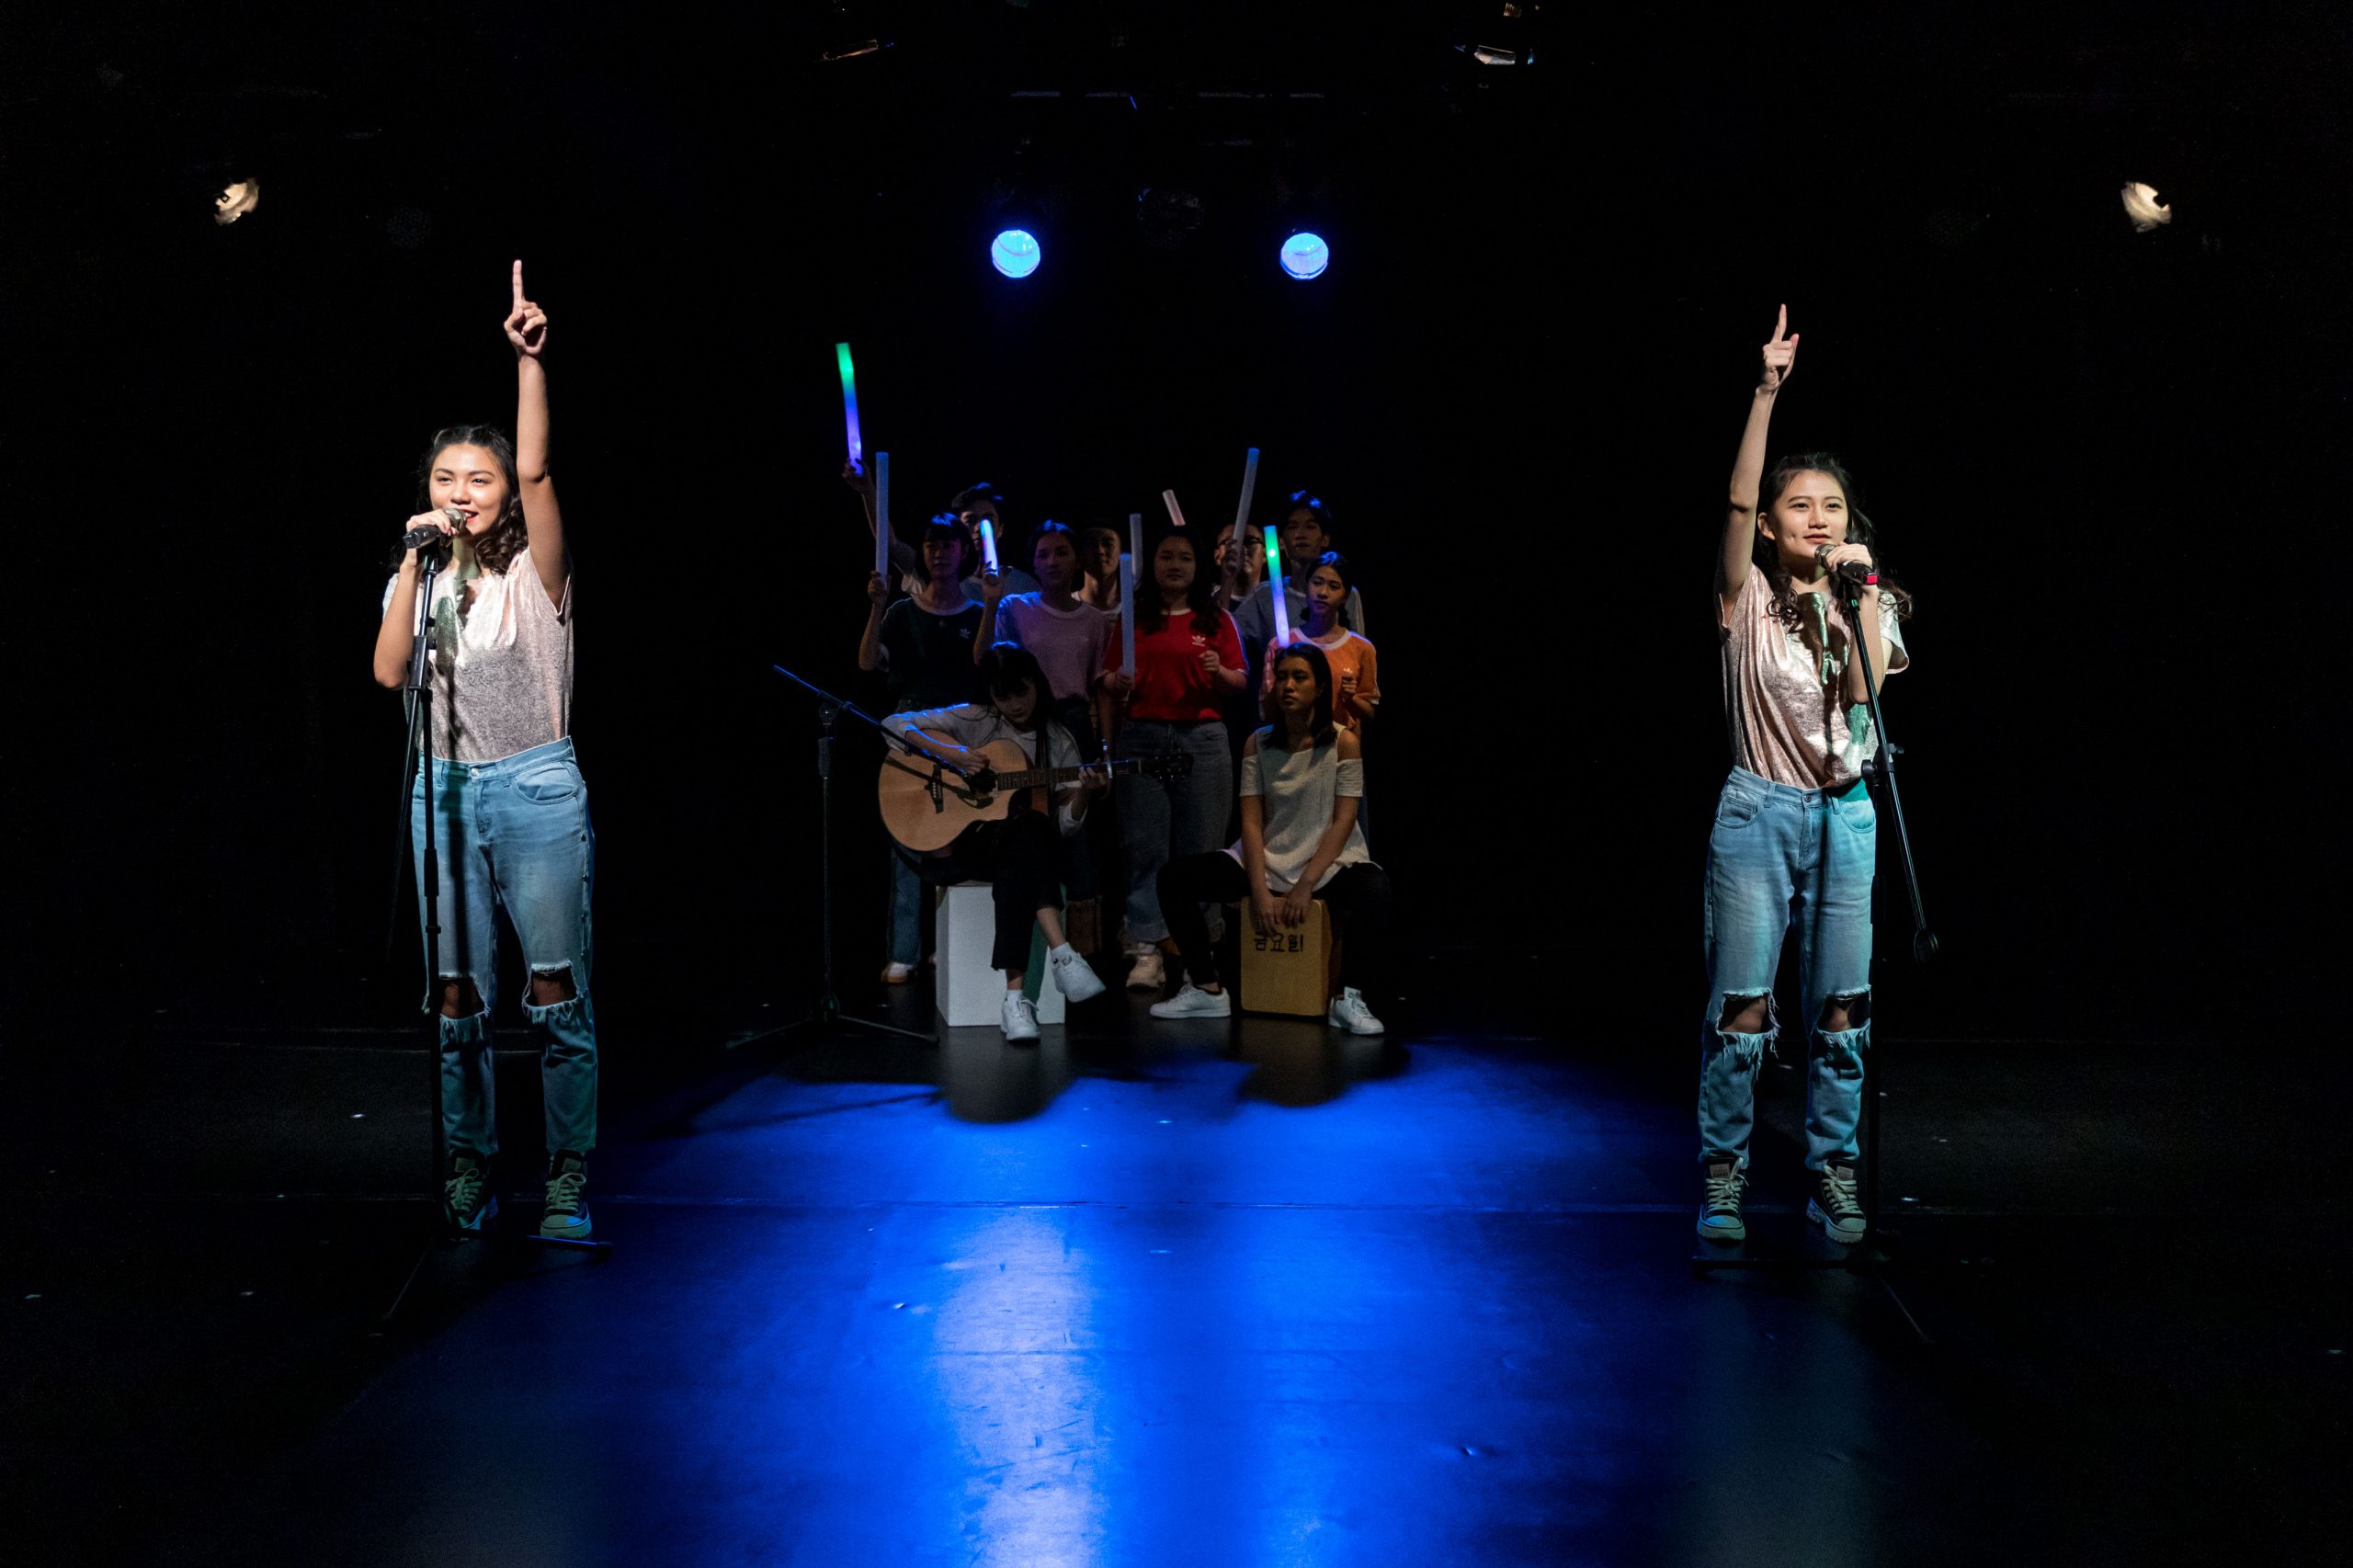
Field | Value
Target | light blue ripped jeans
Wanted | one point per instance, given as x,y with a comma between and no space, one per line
514,835
1780,856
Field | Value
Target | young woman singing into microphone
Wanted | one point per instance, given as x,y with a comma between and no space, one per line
1794,830
510,817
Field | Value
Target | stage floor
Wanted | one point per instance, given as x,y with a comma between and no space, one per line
1153,1293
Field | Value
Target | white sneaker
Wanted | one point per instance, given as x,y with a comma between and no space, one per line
1349,1012
1073,976
1192,1002
1020,1020
1147,974
897,973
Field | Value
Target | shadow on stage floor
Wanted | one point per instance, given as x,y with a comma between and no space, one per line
1153,1293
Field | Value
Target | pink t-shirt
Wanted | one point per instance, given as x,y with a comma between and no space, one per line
1785,703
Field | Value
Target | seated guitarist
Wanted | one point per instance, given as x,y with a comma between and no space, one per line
1021,855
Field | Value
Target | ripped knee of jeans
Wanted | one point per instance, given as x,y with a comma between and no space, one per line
1747,1026
1844,1013
1841,1048
553,995
463,1019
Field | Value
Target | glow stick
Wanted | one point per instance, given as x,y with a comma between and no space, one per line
1275,589
1175,513
988,546
1128,614
883,515
1128,591
1249,486
849,402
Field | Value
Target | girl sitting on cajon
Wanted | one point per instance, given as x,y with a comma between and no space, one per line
1302,782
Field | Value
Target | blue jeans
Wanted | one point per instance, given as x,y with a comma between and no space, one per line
1160,821
514,835
1780,856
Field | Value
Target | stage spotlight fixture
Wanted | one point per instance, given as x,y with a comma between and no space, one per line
1305,256
2140,205
1015,253
234,200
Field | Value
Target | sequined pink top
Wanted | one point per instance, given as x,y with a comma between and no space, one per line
1785,708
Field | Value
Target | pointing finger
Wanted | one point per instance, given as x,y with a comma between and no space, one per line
518,285
1781,324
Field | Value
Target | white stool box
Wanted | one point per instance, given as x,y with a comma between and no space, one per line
969,990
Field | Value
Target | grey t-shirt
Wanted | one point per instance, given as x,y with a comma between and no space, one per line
500,671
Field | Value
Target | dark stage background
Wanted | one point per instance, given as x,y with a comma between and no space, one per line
2106,463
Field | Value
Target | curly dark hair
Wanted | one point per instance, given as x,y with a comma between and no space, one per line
508,537
1767,557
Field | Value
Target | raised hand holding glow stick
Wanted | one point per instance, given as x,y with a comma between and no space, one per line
883,515
1275,588
849,402
988,547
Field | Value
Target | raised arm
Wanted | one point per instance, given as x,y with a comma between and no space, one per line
869,646
1748,467
526,332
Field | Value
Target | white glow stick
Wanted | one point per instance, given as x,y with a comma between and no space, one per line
1249,487
1275,589
883,515
1175,513
1128,614
988,546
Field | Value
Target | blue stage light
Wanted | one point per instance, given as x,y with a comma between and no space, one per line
1015,253
1305,256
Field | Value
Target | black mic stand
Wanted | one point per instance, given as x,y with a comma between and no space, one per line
827,1016
1868,1257
417,757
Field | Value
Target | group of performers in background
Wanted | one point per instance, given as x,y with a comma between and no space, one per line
1034,653
1254,793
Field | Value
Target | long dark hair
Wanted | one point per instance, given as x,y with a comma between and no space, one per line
1766,556
1201,596
1319,729
507,538
1008,667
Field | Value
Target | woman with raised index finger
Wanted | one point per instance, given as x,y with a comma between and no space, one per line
510,811
1794,833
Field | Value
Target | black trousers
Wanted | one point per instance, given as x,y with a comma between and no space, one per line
1358,897
1021,859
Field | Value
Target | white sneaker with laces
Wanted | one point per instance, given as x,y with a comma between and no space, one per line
1192,1002
1834,1206
1349,1012
1019,1019
1148,974
1720,1218
1073,976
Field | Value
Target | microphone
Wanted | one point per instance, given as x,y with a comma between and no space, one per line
425,535
1846,571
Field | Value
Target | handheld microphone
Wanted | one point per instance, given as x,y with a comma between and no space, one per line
1846,571
425,535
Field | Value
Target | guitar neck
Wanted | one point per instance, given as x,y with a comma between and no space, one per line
1037,778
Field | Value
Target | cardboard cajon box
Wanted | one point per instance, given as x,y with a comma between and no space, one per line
1292,971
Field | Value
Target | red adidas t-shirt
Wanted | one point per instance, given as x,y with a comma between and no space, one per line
1171,686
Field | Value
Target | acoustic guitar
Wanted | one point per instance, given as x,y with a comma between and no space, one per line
927,803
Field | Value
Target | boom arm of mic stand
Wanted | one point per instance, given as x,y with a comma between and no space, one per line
1924,940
